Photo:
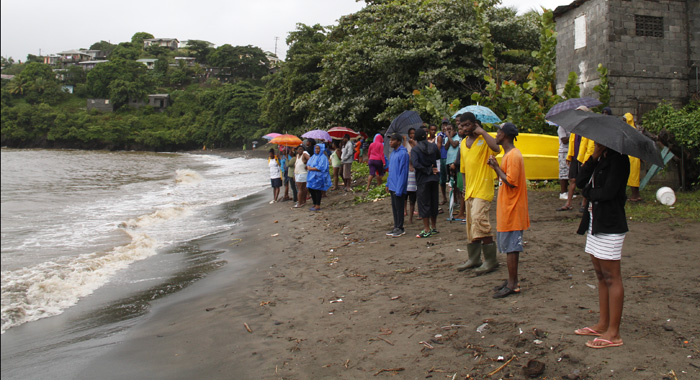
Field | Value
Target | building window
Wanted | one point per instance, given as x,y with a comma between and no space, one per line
580,32
649,26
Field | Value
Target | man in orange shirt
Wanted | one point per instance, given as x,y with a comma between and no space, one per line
512,216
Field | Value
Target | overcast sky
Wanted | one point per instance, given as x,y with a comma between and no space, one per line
51,26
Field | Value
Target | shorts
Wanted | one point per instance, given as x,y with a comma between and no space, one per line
287,178
376,167
510,241
478,225
443,171
460,182
300,178
563,167
411,197
574,166
347,170
428,199
276,182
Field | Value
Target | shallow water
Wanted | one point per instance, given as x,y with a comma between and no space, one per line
90,239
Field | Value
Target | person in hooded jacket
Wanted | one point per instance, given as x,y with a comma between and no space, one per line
425,157
397,183
319,178
376,160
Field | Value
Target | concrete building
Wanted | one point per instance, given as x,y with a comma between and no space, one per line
650,47
103,105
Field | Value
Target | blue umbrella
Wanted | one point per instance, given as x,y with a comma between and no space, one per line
483,114
572,104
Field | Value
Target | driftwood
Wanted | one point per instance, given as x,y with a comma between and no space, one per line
501,367
390,370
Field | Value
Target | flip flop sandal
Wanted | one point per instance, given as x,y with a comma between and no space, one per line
433,231
504,292
565,208
606,343
586,331
503,285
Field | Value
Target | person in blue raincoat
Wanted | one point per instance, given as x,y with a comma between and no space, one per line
397,183
319,178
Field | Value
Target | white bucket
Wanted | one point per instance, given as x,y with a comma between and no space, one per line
666,196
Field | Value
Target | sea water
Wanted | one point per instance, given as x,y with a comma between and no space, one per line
101,234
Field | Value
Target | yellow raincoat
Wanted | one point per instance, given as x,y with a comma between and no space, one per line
635,163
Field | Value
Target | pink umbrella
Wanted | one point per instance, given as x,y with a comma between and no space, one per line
271,136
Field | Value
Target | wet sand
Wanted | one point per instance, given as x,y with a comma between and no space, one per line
406,311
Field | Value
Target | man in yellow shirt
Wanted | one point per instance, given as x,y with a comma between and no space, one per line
475,150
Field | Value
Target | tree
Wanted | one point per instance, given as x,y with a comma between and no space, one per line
200,50
389,48
100,78
125,50
246,62
297,78
31,58
233,118
103,46
157,51
137,39
74,75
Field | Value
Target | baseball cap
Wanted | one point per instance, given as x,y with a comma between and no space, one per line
509,129
445,120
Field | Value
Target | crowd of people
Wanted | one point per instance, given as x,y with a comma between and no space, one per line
424,162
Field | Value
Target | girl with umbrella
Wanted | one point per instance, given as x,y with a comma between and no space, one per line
318,179
603,179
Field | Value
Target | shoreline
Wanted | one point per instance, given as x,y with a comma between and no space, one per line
405,310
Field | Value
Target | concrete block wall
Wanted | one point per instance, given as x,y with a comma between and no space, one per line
583,61
694,25
642,70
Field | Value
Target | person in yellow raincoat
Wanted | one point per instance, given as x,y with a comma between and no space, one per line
635,166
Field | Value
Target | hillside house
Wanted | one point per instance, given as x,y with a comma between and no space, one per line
170,43
103,105
73,57
159,101
650,47
89,65
149,62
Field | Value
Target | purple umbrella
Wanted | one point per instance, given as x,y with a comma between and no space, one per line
572,104
317,134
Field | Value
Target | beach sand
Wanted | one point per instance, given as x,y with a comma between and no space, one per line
406,311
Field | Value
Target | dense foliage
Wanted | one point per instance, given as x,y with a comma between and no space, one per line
393,55
679,129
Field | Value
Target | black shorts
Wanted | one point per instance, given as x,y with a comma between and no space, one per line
574,166
428,198
276,182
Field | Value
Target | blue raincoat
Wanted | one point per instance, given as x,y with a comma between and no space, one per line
318,180
398,171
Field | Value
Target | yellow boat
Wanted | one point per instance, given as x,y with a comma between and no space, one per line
541,155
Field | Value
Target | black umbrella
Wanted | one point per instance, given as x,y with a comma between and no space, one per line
401,124
610,131
572,104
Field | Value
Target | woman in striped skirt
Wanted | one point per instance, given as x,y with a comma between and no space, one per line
603,179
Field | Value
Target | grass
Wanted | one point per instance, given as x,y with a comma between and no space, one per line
686,208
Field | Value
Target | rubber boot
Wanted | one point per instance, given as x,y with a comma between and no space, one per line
474,252
490,260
